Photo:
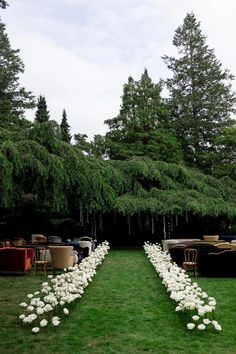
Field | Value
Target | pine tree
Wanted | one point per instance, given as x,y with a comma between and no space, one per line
65,128
140,127
14,100
3,4
42,114
201,96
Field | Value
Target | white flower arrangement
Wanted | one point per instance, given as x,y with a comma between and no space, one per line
61,290
190,298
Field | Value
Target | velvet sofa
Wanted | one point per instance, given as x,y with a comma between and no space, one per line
177,251
14,259
220,264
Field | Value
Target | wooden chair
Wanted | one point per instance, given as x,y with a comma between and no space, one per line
40,260
190,260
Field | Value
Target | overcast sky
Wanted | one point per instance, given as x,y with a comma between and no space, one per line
80,53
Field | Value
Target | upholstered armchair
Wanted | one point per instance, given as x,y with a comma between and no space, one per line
15,259
61,256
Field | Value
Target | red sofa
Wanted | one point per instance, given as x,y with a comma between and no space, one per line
14,259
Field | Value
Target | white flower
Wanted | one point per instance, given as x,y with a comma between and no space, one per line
195,317
66,311
32,317
23,304
35,329
201,327
39,311
30,296
56,318
201,311
212,303
218,327
22,316
206,321
43,323
55,323
30,308
190,326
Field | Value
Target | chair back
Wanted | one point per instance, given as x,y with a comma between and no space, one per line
211,237
36,238
19,241
86,244
61,256
224,245
54,239
85,238
190,255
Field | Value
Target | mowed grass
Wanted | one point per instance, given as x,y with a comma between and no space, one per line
125,309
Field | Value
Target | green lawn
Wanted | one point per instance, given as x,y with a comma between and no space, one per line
125,309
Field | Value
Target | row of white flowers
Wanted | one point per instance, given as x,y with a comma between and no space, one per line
197,306
59,291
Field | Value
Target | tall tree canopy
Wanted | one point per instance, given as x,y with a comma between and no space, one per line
65,128
201,97
81,143
139,129
42,114
3,4
14,99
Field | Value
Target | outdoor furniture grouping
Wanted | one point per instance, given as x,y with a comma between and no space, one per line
213,260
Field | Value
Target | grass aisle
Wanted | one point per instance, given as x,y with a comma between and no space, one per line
125,309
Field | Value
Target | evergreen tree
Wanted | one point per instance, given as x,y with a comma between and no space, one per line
98,146
3,4
225,159
81,143
14,100
201,96
140,127
42,114
65,128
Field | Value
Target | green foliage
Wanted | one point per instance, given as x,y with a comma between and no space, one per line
145,175
65,128
140,128
81,143
201,98
98,146
225,160
46,134
14,100
42,114
162,188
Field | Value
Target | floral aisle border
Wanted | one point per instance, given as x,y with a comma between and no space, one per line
61,291
195,305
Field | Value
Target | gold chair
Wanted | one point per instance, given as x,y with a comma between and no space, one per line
40,260
190,260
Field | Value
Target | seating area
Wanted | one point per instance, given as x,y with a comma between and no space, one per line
42,254
215,257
